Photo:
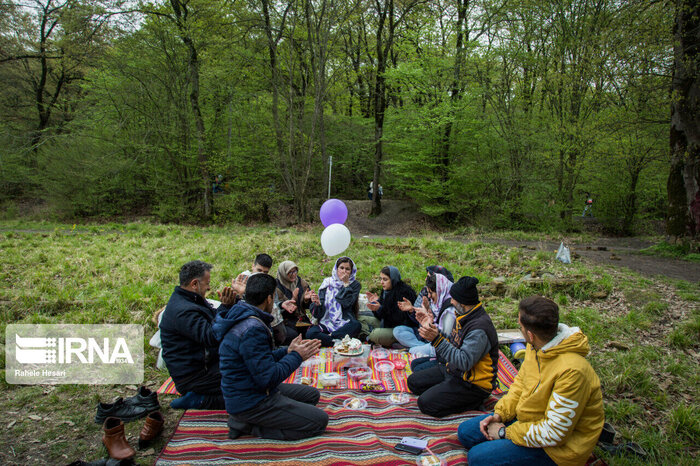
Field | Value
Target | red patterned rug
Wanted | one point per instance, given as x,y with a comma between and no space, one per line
362,437
396,382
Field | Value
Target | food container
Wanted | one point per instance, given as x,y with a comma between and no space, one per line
400,364
329,379
398,398
313,363
354,403
372,385
379,354
384,367
359,372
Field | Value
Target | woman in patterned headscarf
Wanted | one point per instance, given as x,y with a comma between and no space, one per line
437,302
337,310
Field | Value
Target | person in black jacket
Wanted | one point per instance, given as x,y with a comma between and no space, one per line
467,356
387,314
190,349
253,370
337,305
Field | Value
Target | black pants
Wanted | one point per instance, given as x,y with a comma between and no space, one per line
352,328
289,414
442,394
204,382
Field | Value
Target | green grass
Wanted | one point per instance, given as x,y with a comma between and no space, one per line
122,273
674,251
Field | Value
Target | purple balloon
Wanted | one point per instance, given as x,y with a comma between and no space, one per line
333,211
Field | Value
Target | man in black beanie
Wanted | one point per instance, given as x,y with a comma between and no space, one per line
467,358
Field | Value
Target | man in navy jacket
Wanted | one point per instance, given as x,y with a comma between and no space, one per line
253,370
190,349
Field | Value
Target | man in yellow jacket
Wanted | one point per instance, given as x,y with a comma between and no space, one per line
553,412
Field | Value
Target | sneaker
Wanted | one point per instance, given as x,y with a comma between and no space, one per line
121,410
144,398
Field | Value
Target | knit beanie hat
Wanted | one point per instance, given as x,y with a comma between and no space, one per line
465,292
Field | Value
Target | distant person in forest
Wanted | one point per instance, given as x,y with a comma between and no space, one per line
589,204
218,186
370,191
387,314
338,305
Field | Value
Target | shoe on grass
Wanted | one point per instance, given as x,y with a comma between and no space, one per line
144,397
121,410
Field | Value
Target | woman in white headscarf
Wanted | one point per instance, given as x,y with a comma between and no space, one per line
336,310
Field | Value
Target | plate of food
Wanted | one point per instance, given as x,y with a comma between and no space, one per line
307,381
428,459
349,347
398,398
354,403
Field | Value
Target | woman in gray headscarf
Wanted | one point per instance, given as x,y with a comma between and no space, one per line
293,296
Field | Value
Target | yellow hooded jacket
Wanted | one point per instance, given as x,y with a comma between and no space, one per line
556,399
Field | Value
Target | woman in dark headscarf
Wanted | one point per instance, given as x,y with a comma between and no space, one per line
387,314
336,309
293,296
437,297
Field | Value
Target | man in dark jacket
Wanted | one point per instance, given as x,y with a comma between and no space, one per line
468,357
253,370
190,349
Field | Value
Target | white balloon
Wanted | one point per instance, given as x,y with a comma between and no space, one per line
335,239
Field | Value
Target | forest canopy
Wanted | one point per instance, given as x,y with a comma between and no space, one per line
509,112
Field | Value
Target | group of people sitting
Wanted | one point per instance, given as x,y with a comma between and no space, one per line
236,357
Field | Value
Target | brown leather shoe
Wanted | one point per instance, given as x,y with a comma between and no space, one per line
151,428
114,439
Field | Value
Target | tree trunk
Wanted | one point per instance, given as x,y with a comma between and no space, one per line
181,13
684,178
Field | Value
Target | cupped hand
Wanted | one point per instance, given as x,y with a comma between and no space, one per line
227,296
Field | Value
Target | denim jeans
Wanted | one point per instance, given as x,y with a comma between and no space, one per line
408,336
497,452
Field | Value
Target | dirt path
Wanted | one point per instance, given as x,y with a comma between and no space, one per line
401,218
618,252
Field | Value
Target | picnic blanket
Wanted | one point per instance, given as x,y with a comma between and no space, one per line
396,382
362,437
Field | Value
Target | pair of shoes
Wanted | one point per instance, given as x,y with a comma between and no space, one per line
130,409
115,440
190,400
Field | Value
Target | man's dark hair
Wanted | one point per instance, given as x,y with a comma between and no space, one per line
264,260
192,270
431,282
258,287
540,316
